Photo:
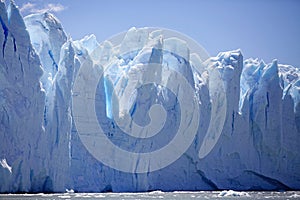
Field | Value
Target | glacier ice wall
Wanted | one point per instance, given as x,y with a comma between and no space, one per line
59,64
21,107
41,149
255,149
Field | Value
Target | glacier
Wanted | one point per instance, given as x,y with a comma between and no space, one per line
43,72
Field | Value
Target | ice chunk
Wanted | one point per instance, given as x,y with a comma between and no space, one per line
5,165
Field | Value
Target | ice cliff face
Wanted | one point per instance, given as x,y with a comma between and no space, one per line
58,60
47,37
42,148
35,102
21,107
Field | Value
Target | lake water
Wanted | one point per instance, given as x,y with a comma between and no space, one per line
158,195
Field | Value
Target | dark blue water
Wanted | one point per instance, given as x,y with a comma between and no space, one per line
159,195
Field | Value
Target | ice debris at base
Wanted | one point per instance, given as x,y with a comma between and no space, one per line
296,196
231,193
40,151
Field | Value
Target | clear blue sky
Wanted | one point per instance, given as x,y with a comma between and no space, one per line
266,29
